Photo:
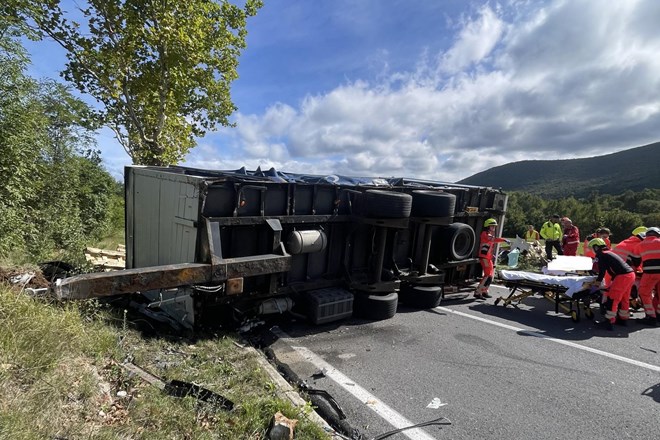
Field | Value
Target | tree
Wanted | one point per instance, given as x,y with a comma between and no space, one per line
161,69
20,138
523,209
621,223
54,194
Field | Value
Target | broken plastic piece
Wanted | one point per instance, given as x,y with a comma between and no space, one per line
281,428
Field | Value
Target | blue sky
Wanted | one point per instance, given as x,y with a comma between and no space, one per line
429,88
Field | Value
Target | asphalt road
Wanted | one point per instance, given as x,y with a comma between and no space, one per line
494,372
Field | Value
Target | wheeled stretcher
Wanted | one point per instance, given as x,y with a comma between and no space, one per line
570,293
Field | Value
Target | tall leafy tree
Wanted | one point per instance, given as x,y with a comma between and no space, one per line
161,69
54,194
20,137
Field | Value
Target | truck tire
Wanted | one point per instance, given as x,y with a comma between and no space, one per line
421,297
375,307
386,204
458,241
429,203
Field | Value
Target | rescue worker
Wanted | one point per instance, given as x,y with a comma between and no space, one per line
628,249
603,233
571,238
551,233
487,242
617,295
649,250
532,234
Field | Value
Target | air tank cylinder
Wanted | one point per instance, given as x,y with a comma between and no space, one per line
275,305
305,242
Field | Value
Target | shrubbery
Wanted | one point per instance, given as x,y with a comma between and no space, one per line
620,213
55,196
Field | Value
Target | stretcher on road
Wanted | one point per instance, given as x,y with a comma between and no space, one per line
570,293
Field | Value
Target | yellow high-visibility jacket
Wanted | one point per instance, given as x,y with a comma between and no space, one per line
551,231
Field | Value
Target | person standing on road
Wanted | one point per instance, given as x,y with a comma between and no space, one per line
617,302
571,237
487,242
532,234
603,233
628,249
551,233
649,250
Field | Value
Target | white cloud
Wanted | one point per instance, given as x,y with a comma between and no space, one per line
475,41
573,77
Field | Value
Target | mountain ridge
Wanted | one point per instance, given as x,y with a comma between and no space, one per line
633,169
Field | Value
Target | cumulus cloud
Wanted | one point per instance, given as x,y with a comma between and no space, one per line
475,41
571,79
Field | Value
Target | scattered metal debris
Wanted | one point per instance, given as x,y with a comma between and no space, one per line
178,388
438,421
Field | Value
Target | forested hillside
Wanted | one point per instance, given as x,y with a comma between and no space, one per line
630,170
620,213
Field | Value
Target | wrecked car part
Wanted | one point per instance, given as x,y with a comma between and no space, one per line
179,388
324,404
305,242
438,421
275,305
236,239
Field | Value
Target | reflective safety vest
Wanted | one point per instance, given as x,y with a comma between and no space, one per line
551,231
649,250
531,235
628,250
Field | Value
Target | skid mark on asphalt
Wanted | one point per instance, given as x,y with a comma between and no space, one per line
558,341
374,403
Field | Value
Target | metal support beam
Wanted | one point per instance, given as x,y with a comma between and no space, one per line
96,285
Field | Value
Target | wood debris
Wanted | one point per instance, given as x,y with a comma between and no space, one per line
107,259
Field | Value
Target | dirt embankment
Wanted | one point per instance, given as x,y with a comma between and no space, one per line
23,277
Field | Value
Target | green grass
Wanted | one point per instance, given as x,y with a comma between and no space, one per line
111,241
60,373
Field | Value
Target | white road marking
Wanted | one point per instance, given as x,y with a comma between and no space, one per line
388,414
558,341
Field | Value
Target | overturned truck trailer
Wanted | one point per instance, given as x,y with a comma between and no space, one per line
205,246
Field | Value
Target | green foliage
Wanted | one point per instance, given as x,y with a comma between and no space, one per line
621,214
55,194
161,69
60,374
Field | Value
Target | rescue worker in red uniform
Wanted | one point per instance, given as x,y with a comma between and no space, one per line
628,249
603,233
617,295
487,243
649,286
571,240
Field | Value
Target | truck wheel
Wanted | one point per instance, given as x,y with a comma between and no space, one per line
375,307
386,204
458,241
428,203
421,297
